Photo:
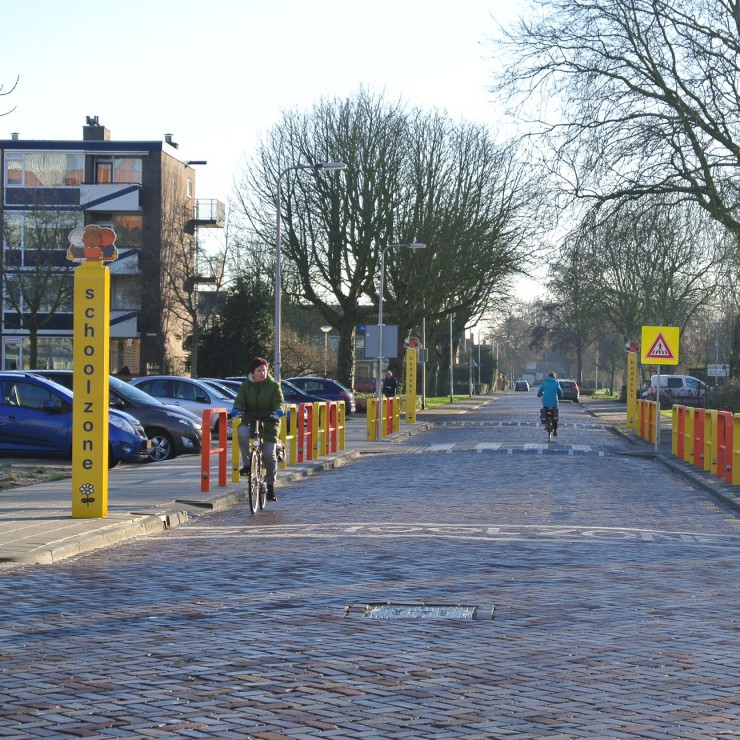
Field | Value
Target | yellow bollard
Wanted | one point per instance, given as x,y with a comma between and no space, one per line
688,434
674,429
371,424
319,433
397,414
235,452
341,424
710,441
288,435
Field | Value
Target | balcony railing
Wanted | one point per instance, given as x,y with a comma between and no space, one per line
207,213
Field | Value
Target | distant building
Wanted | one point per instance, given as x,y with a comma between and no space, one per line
146,194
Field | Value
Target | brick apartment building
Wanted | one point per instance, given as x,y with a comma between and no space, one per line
146,194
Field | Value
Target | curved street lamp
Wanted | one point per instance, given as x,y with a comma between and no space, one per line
412,245
318,167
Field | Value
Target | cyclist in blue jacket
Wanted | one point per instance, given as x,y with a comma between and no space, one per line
549,392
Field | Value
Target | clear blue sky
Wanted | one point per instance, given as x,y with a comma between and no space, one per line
217,73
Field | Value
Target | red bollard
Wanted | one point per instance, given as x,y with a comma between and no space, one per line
724,446
699,419
206,451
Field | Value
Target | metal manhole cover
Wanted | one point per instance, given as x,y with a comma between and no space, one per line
390,610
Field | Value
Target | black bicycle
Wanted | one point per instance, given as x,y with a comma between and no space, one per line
255,466
547,416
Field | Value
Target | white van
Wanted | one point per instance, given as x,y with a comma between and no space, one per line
683,389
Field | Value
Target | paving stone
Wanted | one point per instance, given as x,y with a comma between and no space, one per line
612,577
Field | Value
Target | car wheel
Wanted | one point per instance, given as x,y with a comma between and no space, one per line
113,461
160,445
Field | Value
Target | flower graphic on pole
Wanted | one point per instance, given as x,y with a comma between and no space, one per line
87,490
92,243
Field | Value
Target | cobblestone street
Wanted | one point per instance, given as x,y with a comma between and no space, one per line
471,582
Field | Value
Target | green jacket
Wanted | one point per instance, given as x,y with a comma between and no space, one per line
261,398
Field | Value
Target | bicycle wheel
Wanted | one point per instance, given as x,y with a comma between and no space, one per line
263,493
255,481
548,426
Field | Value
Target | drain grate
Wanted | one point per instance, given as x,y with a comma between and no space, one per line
389,610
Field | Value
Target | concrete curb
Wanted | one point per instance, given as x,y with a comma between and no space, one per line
111,534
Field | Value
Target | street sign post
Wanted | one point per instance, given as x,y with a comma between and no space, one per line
718,371
659,346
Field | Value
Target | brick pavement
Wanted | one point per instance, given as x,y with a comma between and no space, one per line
612,582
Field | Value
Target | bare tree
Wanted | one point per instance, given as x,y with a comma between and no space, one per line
412,176
635,97
652,262
569,318
4,92
185,266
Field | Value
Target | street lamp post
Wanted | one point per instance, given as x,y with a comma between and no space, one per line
318,167
326,330
412,245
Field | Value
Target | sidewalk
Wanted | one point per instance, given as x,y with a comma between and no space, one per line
36,526
615,415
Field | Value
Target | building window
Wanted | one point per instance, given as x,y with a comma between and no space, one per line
128,227
125,294
190,188
39,236
119,170
104,171
44,169
53,353
26,292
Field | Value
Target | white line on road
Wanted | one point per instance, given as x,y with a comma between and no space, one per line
488,446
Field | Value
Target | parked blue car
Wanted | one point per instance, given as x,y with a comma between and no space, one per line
329,390
36,421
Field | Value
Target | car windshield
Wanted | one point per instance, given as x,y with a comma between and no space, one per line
132,393
220,393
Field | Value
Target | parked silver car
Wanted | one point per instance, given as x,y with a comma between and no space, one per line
188,393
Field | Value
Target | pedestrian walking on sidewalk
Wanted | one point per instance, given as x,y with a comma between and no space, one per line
390,385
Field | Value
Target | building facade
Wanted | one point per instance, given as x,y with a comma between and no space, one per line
146,194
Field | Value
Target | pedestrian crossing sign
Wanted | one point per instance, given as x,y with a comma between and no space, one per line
659,345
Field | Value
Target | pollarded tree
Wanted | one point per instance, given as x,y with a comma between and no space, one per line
635,97
412,176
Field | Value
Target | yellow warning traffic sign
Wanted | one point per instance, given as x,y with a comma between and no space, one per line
660,345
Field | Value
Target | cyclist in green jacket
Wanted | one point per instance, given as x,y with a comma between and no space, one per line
261,394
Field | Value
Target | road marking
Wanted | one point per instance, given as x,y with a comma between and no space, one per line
488,446
442,447
484,532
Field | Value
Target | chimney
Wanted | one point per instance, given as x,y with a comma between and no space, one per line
168,139
14,136
93,131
